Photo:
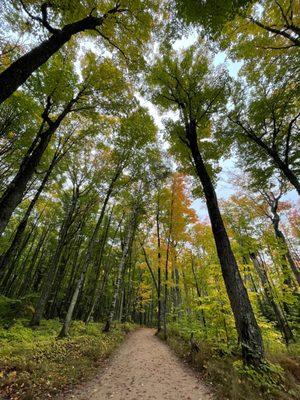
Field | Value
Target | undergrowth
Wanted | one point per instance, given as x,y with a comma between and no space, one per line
222,368
35,365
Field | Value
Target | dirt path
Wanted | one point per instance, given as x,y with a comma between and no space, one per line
144,368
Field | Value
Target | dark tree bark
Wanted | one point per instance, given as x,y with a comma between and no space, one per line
7,256
288,31
15,269
7,274
20,70
14,193
247,328
274,155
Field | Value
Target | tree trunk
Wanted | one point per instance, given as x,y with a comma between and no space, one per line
52,269
246,324
28,275
128,243
166,290
97,283
275,157
6,275
283,242
279,315
158,267
20,70
66,326
198,292
7,256
167,265
13,195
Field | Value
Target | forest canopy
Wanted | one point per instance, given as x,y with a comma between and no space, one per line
117,119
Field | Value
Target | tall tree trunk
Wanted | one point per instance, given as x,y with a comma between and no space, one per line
246,324
107,267
28,274
90,250
159,306
126,249
52,269
279,315
283,242
198,292
177,297
52,309
74,276
7,256
20,70
67,322
165,307
6,275
167,264
276,159
40,269
96,291
17,270
14,193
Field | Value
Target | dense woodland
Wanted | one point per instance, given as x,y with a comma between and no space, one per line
97,211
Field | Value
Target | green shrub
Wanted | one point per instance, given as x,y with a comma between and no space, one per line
12,309
220,365
35,365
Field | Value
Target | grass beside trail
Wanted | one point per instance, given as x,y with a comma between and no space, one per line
35,365
230,380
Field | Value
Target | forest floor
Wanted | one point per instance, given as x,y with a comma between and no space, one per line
144,368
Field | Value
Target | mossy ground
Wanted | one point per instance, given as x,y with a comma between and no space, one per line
224,372
34,364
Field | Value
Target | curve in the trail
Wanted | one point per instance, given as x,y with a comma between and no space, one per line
144,368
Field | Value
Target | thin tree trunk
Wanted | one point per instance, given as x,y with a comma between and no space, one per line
283,242
167,265
28,276
52,308
198,292
96,292
73,278
159,308
67,322
52,269
128,243
17,271
279,315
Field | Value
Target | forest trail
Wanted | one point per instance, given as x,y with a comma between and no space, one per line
144,368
